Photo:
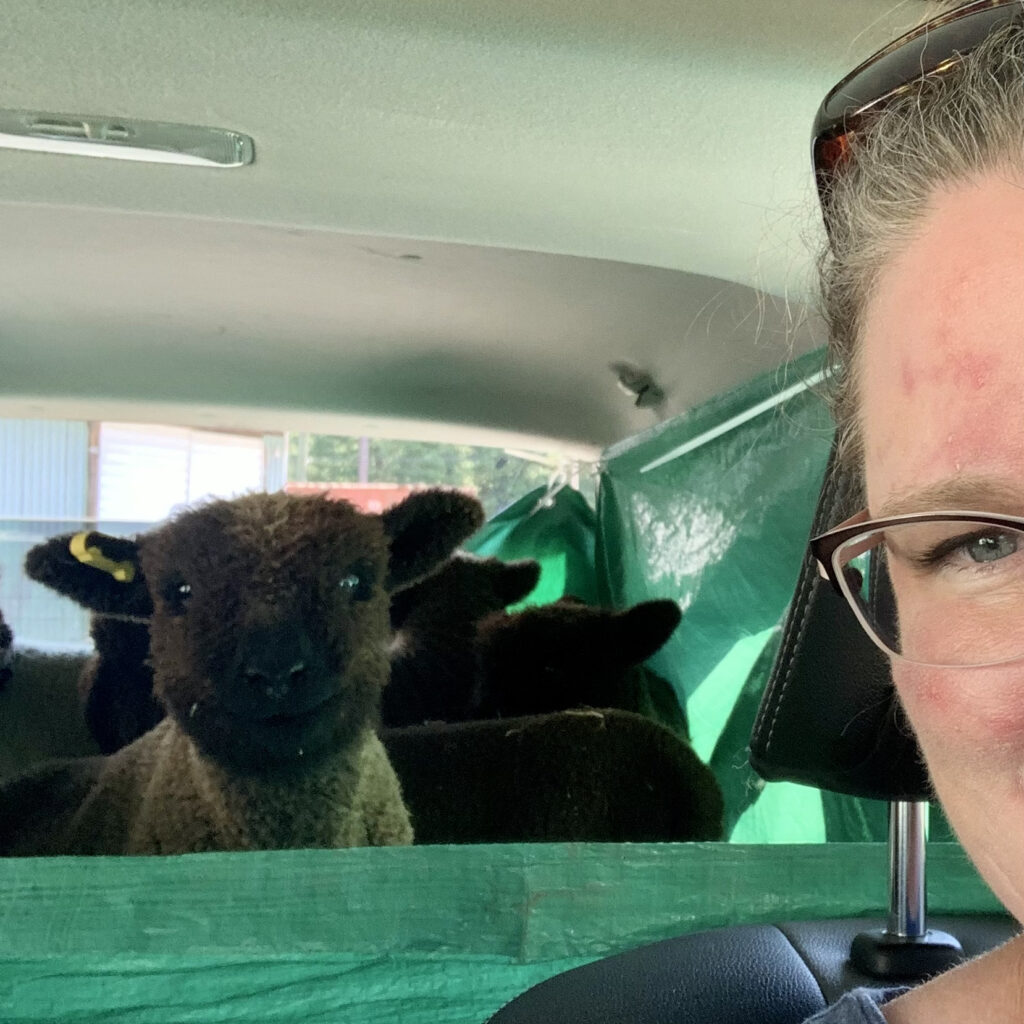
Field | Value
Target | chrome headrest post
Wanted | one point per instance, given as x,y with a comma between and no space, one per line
906,949
908,825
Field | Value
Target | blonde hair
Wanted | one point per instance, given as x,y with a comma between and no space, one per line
954,128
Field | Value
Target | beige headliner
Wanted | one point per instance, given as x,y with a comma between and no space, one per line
580,182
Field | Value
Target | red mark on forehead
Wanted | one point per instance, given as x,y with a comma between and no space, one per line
971,370
965,368
908,378
942,371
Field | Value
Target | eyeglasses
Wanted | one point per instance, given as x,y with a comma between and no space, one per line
930,49
935,588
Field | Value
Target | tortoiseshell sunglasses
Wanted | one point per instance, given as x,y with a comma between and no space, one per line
930,49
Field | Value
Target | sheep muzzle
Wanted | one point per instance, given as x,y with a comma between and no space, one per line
279,673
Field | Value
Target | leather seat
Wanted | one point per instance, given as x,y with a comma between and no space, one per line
749,974
829,718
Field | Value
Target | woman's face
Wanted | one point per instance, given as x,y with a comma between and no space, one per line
942,411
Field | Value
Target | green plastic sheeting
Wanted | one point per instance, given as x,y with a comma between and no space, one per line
721,528
558,530
446,935
713,509
416,935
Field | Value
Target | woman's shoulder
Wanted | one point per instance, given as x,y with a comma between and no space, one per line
861,1006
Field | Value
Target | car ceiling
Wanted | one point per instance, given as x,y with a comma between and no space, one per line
459,214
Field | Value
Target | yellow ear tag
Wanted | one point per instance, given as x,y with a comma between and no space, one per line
123,572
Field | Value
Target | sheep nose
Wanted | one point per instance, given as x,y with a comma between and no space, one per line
275,684
276,662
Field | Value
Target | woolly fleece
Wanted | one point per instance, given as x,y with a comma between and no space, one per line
269,650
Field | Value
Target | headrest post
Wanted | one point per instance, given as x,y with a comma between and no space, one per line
908,824
906,949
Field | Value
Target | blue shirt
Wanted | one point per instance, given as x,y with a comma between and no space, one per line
861,1006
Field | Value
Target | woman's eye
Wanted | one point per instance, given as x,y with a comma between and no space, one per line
970,550
991,547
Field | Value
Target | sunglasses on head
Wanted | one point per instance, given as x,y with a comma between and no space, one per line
930,49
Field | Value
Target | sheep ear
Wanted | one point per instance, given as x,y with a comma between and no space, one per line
515,580
425,529
97,571
644,629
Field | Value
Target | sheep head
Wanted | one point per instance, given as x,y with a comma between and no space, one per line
565,655
433,656
269,627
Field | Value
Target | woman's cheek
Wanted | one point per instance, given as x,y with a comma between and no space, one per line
968,712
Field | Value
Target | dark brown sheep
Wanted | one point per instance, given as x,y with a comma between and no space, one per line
116,685
605,776
433,658
269,640
573,655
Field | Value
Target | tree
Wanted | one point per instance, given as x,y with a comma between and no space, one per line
497,477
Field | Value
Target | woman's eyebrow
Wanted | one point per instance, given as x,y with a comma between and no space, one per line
971,493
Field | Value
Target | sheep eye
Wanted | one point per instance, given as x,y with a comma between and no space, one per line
176,596
357,584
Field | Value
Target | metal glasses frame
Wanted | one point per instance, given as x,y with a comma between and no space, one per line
825,546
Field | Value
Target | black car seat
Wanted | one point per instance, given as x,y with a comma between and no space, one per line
828,718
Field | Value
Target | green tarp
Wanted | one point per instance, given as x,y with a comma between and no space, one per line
420,935
558,529
713,510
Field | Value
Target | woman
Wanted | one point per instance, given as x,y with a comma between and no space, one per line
922,187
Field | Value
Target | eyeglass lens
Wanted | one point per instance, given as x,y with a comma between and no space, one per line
939,592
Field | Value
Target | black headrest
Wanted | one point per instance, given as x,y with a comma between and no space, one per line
829,716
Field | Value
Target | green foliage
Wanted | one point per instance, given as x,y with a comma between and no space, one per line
329,459
497,478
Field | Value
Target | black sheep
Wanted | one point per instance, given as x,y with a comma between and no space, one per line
116,684
604,776
572,655
269,641
433,658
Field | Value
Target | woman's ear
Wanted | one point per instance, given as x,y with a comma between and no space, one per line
97,571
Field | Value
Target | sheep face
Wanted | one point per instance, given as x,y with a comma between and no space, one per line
270,626
566,655
433,662
258,608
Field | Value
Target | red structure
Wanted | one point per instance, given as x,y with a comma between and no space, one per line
367,497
